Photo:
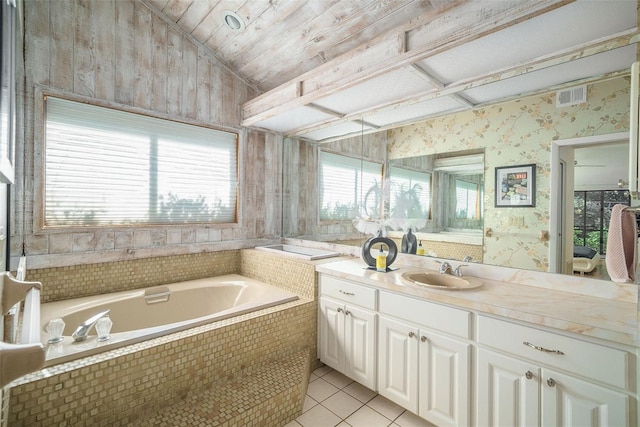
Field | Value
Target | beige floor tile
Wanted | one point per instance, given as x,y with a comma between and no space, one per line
293,423
308,403
360,392
385,407
318,416
337,379
367,417
342,404
409,419
322,371
319,390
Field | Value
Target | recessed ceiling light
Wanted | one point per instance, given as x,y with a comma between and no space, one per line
233,20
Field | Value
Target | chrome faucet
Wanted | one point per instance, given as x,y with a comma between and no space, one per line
445,268
457,271
468,258
82,331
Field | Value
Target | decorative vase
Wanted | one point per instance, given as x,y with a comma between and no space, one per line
409,243
372,246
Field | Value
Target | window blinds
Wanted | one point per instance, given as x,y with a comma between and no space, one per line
349,187
110,167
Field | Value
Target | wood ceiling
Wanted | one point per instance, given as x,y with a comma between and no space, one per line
331,68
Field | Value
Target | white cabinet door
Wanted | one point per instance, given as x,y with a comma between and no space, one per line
507,391
444,384
361,345
398,363
567,401
331,339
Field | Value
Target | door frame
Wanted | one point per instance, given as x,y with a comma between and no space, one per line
561,196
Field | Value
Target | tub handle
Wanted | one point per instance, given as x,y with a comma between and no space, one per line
156,295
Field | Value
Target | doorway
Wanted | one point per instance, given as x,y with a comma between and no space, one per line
566,177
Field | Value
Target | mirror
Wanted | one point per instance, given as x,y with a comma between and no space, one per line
518,132
440,198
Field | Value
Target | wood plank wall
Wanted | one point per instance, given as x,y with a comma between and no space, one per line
120,53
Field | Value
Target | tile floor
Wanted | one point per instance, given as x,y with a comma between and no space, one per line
335,400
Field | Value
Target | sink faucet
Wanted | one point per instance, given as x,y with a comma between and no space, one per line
457,271
468,258
445,268
82,331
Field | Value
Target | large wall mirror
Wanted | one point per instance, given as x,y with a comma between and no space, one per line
453,204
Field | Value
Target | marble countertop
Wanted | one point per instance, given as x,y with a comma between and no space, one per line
591,316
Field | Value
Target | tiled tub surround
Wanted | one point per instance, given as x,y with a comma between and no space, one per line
126,385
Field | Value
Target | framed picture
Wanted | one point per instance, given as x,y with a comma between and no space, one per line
516,186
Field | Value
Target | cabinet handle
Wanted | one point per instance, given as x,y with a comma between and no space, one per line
340,310
347,312
424,339
528,375
412,334
551,382
545,350
351,294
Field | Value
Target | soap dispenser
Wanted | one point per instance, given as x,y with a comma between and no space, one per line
420,250
381,261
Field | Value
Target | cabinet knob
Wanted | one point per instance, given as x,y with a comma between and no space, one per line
551,382
528,375
412,334
347,312
424,339
340,310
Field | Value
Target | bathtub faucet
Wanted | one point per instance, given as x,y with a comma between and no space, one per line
82,331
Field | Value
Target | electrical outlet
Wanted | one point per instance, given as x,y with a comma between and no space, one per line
516,221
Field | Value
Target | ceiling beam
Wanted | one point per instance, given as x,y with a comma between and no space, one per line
577,52
401,47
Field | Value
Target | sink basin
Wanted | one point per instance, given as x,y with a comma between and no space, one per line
440,281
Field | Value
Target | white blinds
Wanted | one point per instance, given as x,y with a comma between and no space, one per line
110,167
467,206
348,185
410,193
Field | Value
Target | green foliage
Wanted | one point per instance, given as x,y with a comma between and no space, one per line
177,209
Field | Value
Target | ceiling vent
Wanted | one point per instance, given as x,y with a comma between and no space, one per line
573,96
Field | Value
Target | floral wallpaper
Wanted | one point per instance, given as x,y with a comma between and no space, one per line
517,133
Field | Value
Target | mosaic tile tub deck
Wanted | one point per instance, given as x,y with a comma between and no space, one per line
123,386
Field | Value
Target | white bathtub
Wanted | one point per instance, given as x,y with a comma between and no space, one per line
146,313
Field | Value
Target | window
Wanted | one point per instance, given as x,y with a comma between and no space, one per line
110,167
467,200
343,182
592,214
410,193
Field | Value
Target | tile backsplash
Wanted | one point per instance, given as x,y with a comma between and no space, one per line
61,283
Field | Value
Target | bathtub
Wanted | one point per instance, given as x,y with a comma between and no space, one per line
299,251
147,313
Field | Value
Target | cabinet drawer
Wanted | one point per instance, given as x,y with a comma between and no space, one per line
595,361
348,292
427,314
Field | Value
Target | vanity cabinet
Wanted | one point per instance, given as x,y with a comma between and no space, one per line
347,329
531,377
422,366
